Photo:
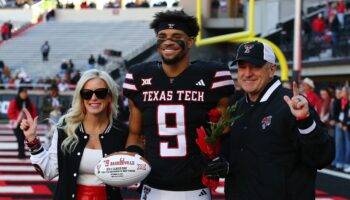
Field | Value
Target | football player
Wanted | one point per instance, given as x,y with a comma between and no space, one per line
168,100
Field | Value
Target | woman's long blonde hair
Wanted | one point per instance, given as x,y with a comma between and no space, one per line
76,114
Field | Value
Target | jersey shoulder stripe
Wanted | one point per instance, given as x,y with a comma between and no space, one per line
135,72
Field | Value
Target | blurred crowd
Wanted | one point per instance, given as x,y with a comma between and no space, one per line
68,75
325,32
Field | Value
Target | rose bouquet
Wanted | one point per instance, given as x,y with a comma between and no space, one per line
208,140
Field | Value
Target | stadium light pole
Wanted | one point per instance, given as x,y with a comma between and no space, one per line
297,42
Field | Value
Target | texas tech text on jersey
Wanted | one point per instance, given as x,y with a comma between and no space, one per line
180,95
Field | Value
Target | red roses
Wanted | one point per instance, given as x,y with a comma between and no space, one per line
214,115
208,140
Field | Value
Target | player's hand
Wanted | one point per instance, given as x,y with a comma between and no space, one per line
29,125
217,168
298,104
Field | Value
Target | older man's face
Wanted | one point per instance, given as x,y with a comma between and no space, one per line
253,79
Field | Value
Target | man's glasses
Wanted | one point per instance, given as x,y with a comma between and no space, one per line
100,93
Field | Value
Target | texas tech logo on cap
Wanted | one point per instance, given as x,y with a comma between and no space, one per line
248,47
171,26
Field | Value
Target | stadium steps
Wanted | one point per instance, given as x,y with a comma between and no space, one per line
76,41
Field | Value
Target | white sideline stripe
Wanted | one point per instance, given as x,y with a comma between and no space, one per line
12,146
13,138
19,177
335,173
10,132
15,160
40,126
16,189
11,153
17,168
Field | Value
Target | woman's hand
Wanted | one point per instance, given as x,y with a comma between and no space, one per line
29,126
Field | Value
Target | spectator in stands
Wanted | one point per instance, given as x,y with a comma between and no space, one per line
63,86
334,28
161,4
51,15
76,144
70,66
307,31
308,87
10,27
340,12
52,108
318,28
84,5
64,66
4,31
2,66
346,129
144,4
92,5
131,5
342,137
92,61
334,110
326,102
45,50
75,77
123,108
176,4
117,67
215,4
16,115
101,60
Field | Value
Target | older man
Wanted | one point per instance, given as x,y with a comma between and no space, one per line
276,146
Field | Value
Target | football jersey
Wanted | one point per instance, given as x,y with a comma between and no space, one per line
172,109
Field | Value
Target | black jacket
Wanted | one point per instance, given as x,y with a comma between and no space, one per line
269,156
68,164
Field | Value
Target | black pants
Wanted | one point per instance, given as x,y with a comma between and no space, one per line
45,56
20,141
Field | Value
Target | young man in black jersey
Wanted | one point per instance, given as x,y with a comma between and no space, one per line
275,148
168,100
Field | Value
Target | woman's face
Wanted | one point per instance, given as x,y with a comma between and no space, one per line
23,94
324,95
97,97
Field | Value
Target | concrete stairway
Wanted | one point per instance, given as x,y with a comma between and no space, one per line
76,41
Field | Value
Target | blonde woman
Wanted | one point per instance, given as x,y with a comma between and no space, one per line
88,132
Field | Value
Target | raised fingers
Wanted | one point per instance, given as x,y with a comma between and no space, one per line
295,89
28,115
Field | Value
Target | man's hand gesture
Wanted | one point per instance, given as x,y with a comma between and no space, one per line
298,104
29,125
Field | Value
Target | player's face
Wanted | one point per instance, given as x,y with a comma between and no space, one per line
98,102
173,45
254,79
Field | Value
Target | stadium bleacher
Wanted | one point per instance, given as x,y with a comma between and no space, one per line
76,41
